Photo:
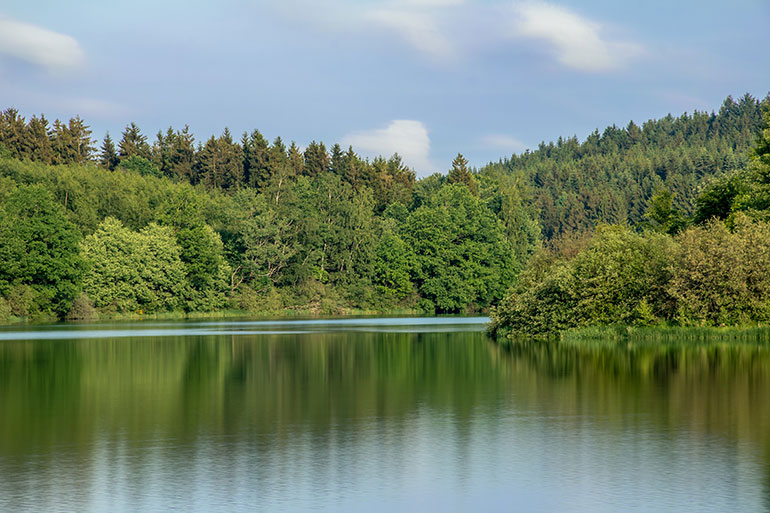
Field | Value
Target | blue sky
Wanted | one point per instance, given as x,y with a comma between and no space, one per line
425,78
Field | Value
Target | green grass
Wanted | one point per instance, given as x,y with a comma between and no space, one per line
287,313
669,334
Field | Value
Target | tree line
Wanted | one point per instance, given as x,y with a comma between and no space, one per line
180,225
84,239
706,268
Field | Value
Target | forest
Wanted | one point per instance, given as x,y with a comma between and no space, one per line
147,227
702,267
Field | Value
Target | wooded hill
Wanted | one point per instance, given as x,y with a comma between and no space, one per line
177,226
706,269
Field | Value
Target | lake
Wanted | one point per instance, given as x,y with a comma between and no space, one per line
402,414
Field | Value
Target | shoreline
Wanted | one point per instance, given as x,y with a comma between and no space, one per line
218,314
646,334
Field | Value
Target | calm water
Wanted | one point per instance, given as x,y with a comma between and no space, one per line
375,415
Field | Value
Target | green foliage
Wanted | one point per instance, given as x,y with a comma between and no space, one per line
131,271
200,249
620,277
139,165
269,227
611,176
460,174
5,310
220,163
661,214
717,197
720,276
134,143
267,241
39,251
461,254
108,158
82,309
393,264
21,301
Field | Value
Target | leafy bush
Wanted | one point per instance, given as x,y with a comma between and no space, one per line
620,277
720,277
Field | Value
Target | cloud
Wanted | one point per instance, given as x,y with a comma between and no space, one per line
503,142
446,31
575,41
417,28
422,24
406,137
51,50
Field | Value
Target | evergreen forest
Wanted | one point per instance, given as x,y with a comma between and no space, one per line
663,222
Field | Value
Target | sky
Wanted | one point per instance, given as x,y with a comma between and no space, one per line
424,78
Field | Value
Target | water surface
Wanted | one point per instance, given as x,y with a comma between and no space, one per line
375,415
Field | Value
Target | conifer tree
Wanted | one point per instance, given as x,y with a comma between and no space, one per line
13,130
209,169
182,158
231,158
338,162
62,143
460,174
316,159
353,168
133,143
80,138
296,160
161,151
108,158
277,157
256,168
39,140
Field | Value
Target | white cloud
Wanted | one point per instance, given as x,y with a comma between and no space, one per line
418,28
406,137
575,41
51,50
424,25
446,31
503,142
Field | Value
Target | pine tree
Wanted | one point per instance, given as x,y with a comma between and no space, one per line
338,163
460,174
208,168
62,144
277,157
161,151
296,160
134,143
316,159
182,158
231,159
80,138
13,131
220,163
256,169
108,158
353,168
39,140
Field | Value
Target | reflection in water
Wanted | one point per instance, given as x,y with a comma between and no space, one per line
376,417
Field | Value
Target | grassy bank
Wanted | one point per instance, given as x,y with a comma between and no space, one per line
656,334
668,333
287,313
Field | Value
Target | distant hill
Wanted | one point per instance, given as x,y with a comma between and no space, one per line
611,176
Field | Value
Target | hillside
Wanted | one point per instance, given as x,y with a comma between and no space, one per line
611,176
255,226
